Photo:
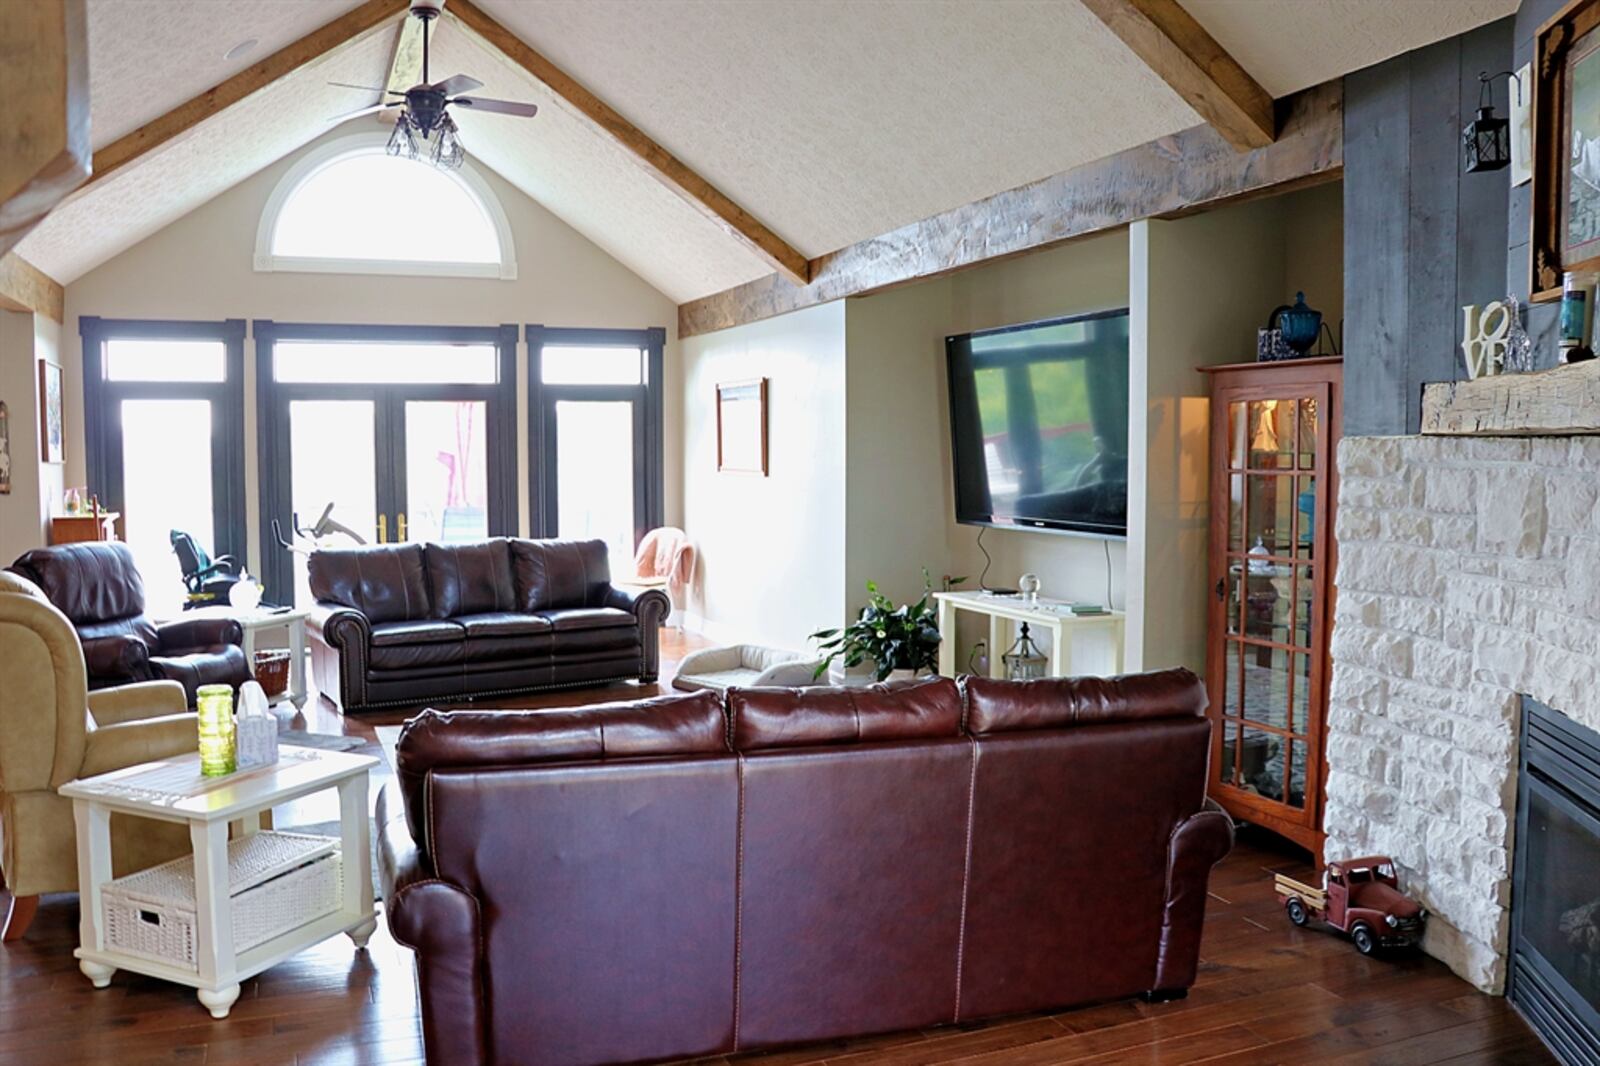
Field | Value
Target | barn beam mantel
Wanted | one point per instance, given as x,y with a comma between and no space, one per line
1179,51
24,287
1562,402
1176,175
152,135
661,164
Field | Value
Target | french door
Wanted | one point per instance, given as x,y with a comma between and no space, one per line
408,435
595,430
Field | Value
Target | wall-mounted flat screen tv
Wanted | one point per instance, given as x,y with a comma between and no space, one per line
1039,424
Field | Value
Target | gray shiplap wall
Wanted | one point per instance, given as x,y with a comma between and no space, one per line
1421,237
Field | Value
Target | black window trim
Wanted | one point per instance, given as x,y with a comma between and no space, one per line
272,398
648,443
102,405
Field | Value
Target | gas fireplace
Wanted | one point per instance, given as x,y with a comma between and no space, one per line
1555,906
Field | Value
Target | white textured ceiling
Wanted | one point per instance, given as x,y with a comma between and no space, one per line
148,56
830,120
1293,46
128,205
836,120
587,181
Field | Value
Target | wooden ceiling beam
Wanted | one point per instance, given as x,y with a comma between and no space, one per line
347,27
1189,171
1182,54
24,287
44,132
663,165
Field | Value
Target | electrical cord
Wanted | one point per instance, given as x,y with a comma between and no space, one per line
987,561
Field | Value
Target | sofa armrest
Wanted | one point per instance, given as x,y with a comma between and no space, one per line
116,657
444,926
400,862
129,743
650,606
187,634
339,626
136,702
1197,844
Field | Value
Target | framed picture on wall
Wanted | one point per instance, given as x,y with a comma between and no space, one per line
51,429
5,450
1566,147
742,427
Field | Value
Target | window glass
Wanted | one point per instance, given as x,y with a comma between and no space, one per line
331,362
594,475
166,485
166,360
374,206
590,365
447,477
319,429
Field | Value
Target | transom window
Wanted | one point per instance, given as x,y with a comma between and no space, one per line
350,207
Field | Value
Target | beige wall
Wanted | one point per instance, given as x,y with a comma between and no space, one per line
200,267
772,549
36,488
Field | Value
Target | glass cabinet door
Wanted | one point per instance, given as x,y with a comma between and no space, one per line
1268,616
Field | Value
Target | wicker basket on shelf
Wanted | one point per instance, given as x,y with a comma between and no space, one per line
272,671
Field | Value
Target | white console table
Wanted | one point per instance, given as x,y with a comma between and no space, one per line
1053,617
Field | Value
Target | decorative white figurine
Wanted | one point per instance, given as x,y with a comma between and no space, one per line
245,594
1483,338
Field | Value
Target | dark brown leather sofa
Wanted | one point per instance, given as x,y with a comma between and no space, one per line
98,587
408,623
674,878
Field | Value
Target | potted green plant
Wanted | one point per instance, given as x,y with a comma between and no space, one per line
900,642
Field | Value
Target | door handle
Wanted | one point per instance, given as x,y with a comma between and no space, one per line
402,537
1222,589
383,529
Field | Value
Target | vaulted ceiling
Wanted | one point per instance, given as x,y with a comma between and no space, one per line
830,121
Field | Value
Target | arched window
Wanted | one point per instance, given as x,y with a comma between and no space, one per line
351,208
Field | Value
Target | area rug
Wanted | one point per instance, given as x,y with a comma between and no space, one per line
377,777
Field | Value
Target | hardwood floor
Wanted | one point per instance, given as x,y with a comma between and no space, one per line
1267,993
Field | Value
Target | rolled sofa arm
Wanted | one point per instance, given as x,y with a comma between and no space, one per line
650,607
443,925
116,659
1198,843
187,634
339,626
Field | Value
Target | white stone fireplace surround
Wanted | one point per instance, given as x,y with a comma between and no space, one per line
1469,572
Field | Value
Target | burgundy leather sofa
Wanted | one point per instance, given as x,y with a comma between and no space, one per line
98,587
408,623
674,877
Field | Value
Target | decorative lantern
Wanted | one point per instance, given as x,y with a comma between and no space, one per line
1025,662
1486,140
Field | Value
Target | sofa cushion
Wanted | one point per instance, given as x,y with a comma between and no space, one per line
426,631
570,619
503,624
89,583
469,578
387,583
559,573
666,725
1056,702
793,717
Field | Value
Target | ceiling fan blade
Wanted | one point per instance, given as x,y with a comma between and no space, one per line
364,88
460,83
370,110
499,107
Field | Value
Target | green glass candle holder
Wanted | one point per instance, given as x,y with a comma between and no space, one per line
217,755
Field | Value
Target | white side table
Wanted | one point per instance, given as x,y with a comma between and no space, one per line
259,620
1054,616
173,790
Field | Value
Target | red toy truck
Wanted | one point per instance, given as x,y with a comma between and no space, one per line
1360,898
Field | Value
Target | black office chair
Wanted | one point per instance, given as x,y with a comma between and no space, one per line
208,580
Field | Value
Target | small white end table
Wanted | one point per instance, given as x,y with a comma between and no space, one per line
1054,616
174,790
260,620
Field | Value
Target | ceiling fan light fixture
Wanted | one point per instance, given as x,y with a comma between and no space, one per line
448,152
403,141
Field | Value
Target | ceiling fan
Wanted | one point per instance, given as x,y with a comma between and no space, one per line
424,126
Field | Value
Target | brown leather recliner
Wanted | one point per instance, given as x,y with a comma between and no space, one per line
408,623
674,878
98,587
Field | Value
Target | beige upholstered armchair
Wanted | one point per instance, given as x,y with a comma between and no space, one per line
53,730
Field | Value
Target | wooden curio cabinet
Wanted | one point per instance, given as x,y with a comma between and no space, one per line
1274,432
